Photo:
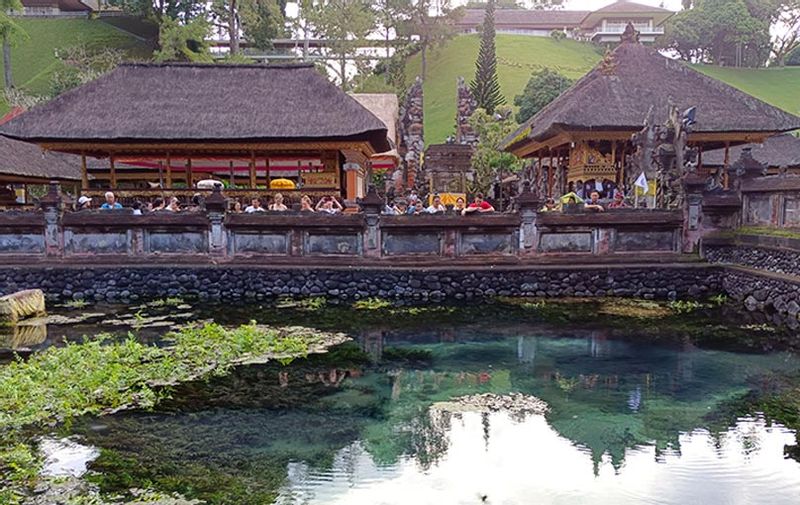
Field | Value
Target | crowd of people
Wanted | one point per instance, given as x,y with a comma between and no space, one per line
413,205
595,203
325,205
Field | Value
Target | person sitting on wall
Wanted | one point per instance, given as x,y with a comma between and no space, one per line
84,203
255,206
619,201
549,206
478,205
329,205
174,205
111,202
436,206
460,205
305,204
277,204
158,204
594,202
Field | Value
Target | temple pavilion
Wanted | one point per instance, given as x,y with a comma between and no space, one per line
158,129
586,132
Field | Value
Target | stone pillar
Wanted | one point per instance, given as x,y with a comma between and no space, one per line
465,107
412,132
372,205
52,205
217,238
529,203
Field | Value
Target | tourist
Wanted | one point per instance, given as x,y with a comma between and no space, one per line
401,208
158,204
580,189
137,208
436,206
619,202
305,204
478,205
549,206
111,202
460,205
237,207
174,205
277,204
329,205
594,202
196,203
84,203
255,206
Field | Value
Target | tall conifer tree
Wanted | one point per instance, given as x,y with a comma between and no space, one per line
485,87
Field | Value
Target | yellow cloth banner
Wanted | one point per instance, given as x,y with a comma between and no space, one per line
448,198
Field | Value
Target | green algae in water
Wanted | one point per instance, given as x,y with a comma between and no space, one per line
629,421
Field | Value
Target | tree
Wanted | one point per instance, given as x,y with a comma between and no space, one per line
432,23
263,21
518,4
488,160
725,32
793,59
8,30
486,87
345,24
184,42
225,14
158,10
543,87
787,37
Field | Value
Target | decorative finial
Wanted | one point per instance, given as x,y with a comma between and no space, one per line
608,65
630,35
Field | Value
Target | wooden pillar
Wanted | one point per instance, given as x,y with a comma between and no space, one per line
252,170
614,161
189,181
550,175
621,182
233,175
113,172
267,177
725,165
700,159
84,173
169,172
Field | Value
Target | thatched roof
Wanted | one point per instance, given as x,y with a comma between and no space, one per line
385,106
200,103
617,94
778,151
27,161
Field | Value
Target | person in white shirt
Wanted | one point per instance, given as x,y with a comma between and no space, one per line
255,206
277,204
436,206
329,205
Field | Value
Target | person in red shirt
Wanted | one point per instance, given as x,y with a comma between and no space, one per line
478,205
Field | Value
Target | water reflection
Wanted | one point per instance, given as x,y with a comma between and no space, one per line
630,422
529,462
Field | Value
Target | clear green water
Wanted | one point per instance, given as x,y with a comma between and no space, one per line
632,421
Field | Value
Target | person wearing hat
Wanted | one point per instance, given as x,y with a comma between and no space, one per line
84,203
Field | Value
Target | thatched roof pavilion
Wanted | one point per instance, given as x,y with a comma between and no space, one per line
591,123
780,151
228,118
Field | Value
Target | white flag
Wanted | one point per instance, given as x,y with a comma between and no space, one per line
642,183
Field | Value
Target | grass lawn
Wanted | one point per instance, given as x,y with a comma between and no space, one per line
520,55
777,86
33,59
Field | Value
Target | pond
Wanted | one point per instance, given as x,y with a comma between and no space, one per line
645,411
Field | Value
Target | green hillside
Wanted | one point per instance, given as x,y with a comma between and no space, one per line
33,59
519,55
778,86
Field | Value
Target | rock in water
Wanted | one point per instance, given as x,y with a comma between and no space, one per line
21,305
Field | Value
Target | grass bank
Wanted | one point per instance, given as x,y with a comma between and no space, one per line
102,375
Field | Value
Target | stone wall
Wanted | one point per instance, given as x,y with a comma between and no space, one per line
774,296
254,283
773,260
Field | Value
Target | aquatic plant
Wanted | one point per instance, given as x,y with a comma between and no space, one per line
372,304
79,303
684,306
101,375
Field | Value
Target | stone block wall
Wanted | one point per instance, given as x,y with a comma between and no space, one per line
232,283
